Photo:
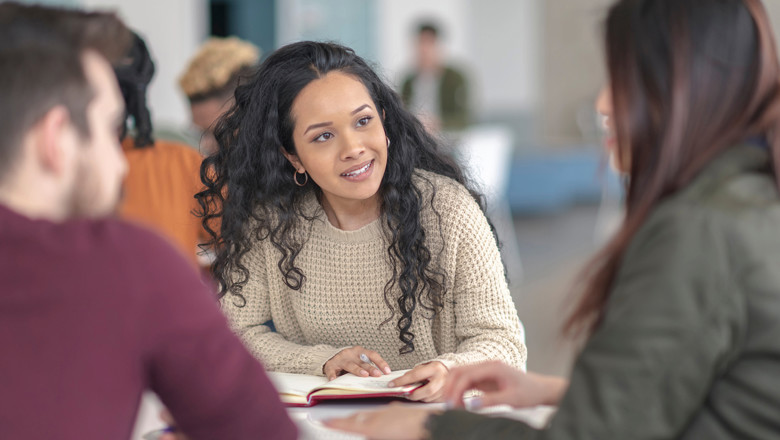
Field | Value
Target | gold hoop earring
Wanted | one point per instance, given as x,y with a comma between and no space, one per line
305,179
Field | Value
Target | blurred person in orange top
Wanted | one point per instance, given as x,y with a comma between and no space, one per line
211,79
163,176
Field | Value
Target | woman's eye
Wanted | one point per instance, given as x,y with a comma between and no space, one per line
323,137
364,121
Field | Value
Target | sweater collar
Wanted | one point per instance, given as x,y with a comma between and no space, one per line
320,225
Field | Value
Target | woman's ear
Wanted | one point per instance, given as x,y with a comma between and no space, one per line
293,159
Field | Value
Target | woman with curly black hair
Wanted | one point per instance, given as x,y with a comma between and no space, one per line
343,224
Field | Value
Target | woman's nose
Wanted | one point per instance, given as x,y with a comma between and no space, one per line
351,147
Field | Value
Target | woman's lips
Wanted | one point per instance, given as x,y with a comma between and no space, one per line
361,172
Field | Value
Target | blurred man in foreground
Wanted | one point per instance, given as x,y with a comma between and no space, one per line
93,310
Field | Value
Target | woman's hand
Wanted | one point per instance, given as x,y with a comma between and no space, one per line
349,360
434,373
166,417
396,422
502,384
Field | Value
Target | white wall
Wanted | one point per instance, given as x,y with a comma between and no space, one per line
573,67
173,30
498,40
506,47
773,9
348,22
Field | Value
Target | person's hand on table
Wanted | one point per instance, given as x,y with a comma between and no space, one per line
503,384
395,422
166,417
349,360
433,374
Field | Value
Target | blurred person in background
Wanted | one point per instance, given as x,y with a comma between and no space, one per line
344,223
436,92
163,176
210,80
681,307
93,310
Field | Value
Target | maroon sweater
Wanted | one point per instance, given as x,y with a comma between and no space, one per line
94,312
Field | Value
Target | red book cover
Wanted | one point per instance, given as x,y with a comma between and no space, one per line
307,390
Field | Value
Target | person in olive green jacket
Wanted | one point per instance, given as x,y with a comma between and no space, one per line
682,307
436,92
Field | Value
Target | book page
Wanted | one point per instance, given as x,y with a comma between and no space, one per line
367,384
296,384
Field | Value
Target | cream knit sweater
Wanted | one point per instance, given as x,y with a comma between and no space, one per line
342,304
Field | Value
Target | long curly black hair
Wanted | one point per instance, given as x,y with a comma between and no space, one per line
250,192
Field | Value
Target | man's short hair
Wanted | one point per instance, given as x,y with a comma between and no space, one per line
41,66
103,32
428,27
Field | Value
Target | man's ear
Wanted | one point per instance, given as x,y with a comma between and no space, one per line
55,136
293,159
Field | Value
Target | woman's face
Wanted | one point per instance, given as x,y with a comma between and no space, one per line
204,116
339,139
604,107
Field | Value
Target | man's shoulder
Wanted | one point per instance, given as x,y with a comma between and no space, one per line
118,239
453,74
102,260
736,193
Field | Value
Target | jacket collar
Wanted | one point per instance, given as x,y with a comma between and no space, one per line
742,158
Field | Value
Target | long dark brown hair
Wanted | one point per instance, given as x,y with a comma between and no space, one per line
689,79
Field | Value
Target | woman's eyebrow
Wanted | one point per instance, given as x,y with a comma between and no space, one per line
313,126
360,108
325,124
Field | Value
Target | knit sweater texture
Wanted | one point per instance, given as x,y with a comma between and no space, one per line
342,301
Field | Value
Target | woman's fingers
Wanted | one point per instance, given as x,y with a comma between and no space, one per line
414,375
430,392
391,423
356,368
433,374
484,377
380,363
331,370
358,361
166,417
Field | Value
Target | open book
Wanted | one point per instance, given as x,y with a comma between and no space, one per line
307,390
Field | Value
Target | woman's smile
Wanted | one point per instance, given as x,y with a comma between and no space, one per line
360,172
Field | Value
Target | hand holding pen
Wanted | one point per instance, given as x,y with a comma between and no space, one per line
358,361
170,432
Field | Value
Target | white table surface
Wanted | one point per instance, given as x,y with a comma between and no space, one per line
309,420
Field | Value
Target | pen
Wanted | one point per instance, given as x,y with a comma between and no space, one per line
155,435
364,358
